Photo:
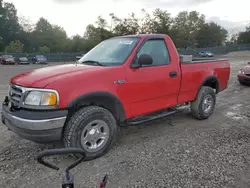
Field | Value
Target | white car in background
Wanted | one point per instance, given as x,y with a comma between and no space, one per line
79,57
206,54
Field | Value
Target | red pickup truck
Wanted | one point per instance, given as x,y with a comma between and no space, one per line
123,80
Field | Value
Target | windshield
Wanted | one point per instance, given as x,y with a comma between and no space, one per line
113,51
40,57
7,56
23,59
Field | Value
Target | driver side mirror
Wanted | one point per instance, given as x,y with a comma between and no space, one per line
144,59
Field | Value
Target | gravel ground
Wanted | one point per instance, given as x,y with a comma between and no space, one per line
177,151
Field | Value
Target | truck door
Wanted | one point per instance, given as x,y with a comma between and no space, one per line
153,87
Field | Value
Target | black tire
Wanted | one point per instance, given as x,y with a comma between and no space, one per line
197,106
76,124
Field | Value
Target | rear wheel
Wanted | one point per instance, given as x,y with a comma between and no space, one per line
92,129
204,104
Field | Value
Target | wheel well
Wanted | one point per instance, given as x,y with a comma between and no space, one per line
212,82
105,100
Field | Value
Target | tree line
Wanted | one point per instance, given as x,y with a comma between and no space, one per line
187,29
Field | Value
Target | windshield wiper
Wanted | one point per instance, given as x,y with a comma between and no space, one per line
92,62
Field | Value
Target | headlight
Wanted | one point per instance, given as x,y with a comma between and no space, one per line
41,98
241,72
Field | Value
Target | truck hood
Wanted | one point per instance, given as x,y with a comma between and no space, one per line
9,59
39,78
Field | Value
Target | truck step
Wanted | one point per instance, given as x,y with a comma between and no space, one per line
150,117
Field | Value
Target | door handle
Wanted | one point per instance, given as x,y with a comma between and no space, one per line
172,74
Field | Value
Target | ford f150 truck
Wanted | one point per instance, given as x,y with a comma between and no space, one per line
123,80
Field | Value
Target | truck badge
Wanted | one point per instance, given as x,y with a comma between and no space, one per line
119,82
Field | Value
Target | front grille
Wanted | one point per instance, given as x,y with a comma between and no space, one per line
15,94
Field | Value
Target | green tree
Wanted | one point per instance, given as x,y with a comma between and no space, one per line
112,17
92,33
2,13
26,24
44,49
9,25
77,44
46,34
185,28
101,28
210,35
126,26
161,22
43,26
14,47
1,45
95,34
25,35
60,38
244,37
234,38
146,23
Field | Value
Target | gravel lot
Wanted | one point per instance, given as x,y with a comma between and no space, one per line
177,151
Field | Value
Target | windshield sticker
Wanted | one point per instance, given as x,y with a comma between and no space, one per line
129,42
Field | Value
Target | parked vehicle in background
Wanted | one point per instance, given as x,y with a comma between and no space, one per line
23,61
206,54
7,60
244,75
39,59
123,80
79,57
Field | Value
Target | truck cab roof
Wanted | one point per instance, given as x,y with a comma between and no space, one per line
145,35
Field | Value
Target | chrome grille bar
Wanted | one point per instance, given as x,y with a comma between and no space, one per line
15,94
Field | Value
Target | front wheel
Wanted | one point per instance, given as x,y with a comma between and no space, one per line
204,105
92,129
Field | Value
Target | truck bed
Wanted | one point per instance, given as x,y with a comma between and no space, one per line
194,72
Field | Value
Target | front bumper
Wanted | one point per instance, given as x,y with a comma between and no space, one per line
41,62
24,62
243,78
37,126
9,63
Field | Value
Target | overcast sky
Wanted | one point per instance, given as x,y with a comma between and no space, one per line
74,15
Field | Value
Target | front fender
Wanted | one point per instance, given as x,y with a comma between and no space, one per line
101,98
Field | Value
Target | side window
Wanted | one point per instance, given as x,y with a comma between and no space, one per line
158,51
